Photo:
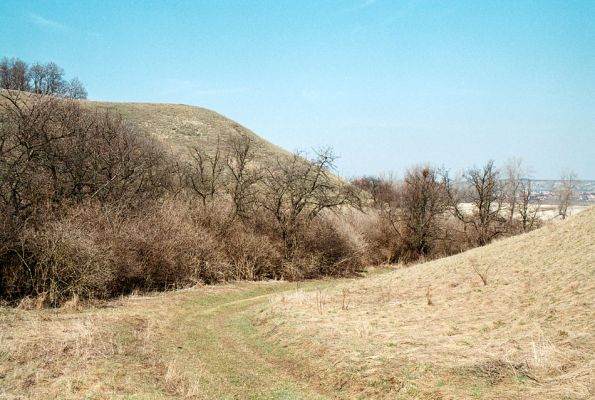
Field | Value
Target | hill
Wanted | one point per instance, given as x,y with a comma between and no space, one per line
181,126
436,331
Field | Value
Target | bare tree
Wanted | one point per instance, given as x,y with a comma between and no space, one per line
205,173
48,79
484,192
244,174
514,172
27,140
14,74
54,79
415,212
519,197
381,190
297,190
74,89
566,192
528,212
5,74
45,79
424,200
37,74
53,151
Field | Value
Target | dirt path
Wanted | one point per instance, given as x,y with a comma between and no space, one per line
196,343
220,356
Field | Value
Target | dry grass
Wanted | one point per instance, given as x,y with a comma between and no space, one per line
105,352
195,344
182,127
528,333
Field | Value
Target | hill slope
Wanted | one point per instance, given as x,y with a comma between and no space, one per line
528,333
182,126
177,126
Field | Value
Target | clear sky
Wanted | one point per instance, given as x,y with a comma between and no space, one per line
386,83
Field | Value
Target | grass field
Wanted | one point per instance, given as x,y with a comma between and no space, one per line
429,331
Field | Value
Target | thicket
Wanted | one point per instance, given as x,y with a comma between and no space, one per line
91,207
429,215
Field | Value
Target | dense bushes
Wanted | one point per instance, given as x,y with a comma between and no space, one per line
101,250
91,208
94,209
428,215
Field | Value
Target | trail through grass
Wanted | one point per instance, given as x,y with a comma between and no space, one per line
197,343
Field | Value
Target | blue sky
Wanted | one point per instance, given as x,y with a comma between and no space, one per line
386,83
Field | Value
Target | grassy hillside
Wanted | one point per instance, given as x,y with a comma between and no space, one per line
178,126
436,331
181,126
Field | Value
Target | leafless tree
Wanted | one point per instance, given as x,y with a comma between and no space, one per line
424,200
514,174
54,79
566,192
205,173
14,74
54,151
244,175
484,191
415,212
528,210
381,190
519,197
297,190
5,74
74,89
44,79
37,75
27,135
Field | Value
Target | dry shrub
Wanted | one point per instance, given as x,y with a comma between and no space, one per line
91,208
64,260
251,255
164,248
327,250
385,246
379,237
98,251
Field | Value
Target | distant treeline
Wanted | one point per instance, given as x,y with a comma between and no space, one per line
46,79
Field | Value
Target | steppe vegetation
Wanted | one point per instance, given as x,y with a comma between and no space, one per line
105,206
93,208
102,199
429,331
511,320
39,78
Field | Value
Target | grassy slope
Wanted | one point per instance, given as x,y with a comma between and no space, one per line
182,126
179,126
528,333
